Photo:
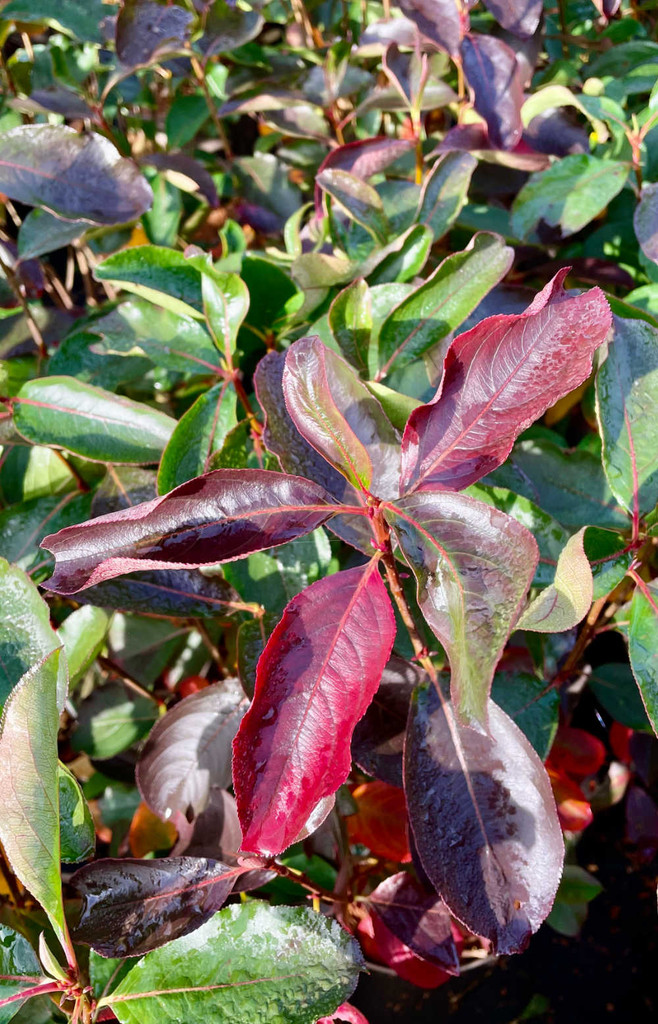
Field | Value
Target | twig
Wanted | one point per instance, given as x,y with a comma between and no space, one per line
212,109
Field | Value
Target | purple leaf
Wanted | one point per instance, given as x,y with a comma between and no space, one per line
474,138
473,565
132,906
442,21
296,455
316,678
336,413
362,159
521,17
146,31
189,750
484,821
378,740
416,918
79,177
493,74
217,517
498,378
180,163
645,221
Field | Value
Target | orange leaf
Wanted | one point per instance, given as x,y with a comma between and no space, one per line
380,822
148,833
573,809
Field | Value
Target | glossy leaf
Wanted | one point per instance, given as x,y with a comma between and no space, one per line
444,191
189,750
358,199
492,72
568,598
473,565
26,635
442,302
350,322
645,221
19,969
200,432
82,18
174,341
146,31
417,918
163,276
335,412
573,808
23,526
571,486
643,647
440,21
111,719
380,821
324,660
82,633
627,391
223,515
177,593
77,834
382,946
400,260
133,906
345,1012
78,176
90,422
225,303
295,967
42,232
484,821
29,824
615,688
498,378
378,739
528,702
569,194
518,16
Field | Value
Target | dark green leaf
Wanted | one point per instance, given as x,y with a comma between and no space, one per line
444,191
111,719
643,647
162,275
615,688
199,433
42,232
83,634
527,702
77,832
81,18
19,968
358,199
350,322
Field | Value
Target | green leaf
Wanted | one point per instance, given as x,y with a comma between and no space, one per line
536,712
350,322
442,302
29,824
225,303
444,192
105,972
552,96
569,598
250,962
162,275
643,646
550,536
110,720
359,200
609,558
577,889
77,832
83,634
43,232
172,340
615,688
24,526
402,259
252,637
279,574
627,395
26,635
19,969
161,221
90,422
398,407
199,433
568,195
80,18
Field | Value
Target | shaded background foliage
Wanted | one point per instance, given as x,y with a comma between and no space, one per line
190,189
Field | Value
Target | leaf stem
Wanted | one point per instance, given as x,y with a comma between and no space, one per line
212,109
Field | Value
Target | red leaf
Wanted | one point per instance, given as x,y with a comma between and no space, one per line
484,820
316,677
217,517
340,418
380,944
620,740
499,378
345,1012
380,821
576,752
573,809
